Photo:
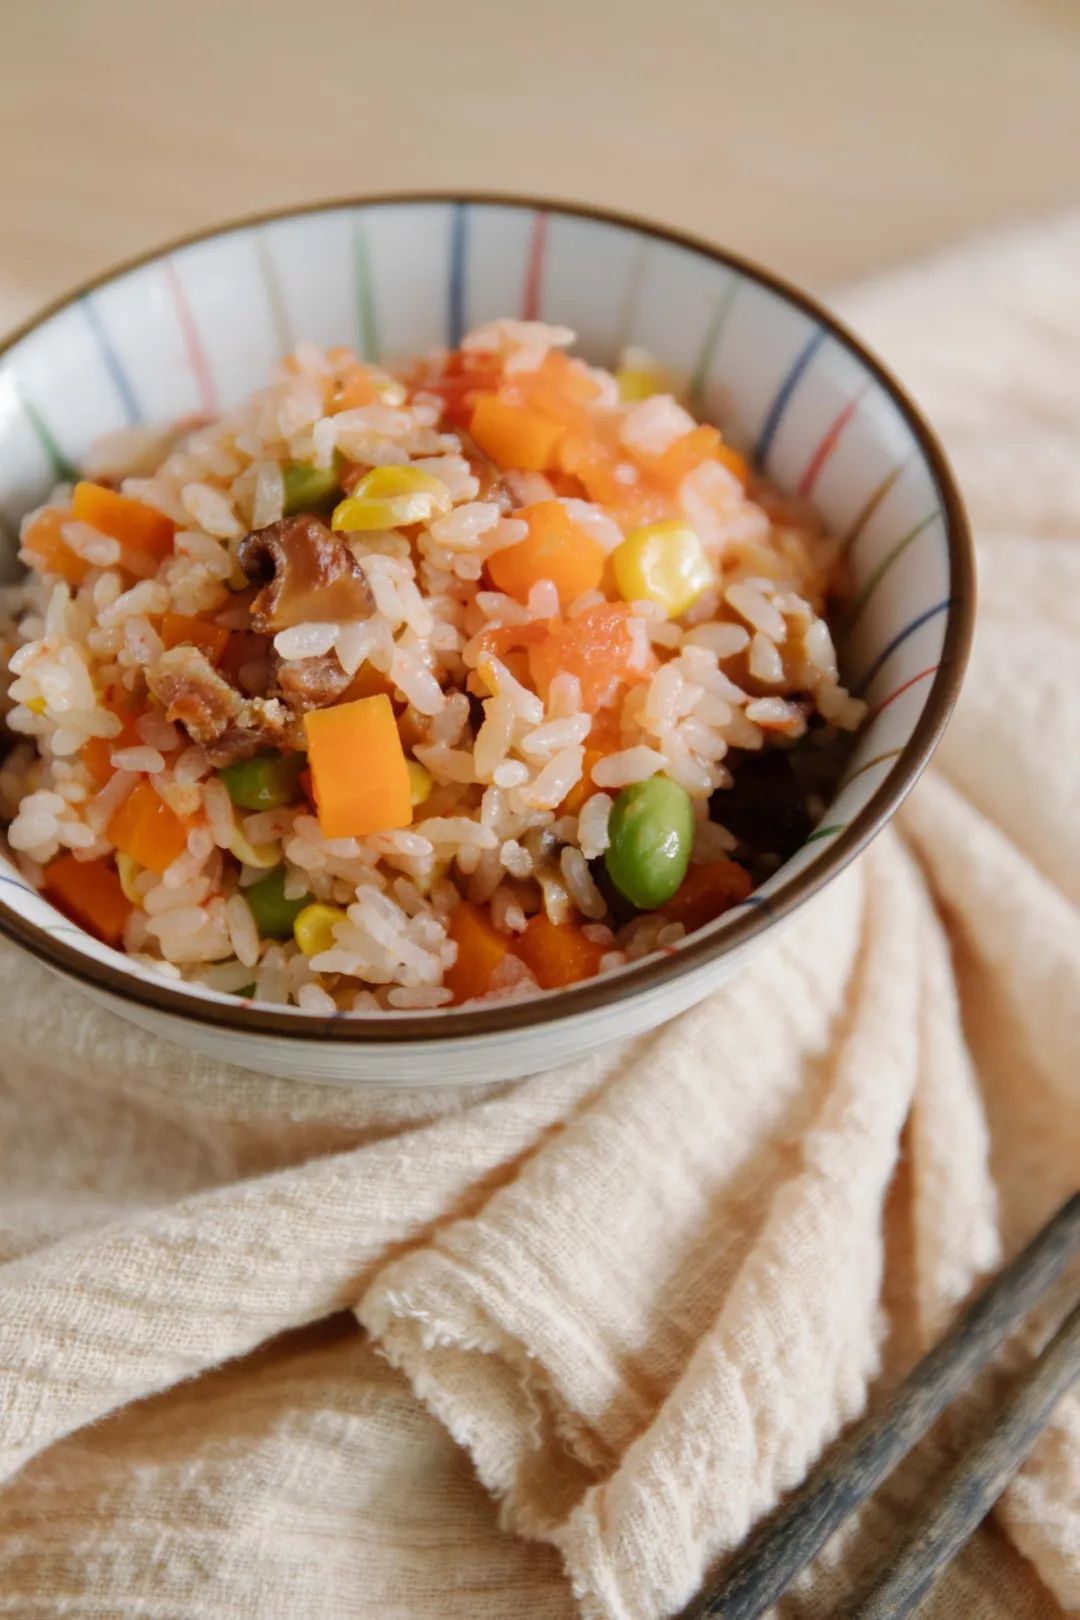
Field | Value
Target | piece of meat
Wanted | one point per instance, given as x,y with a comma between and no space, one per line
228,725
309,683
307,574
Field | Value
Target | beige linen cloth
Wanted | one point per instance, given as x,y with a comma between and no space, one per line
550,1349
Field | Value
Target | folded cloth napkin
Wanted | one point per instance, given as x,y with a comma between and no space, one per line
552,1348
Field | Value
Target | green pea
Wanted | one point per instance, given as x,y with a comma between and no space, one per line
264,782
651,834
308,488
274,915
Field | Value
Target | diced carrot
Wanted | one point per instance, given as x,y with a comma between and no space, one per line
242,647
145,828
96,754
604,738
555,548
514,436
599,648
137,526
44,547
354,389
558,954
735,463
584,787
707,892
177,628
358,767
367,682
89,893
481,952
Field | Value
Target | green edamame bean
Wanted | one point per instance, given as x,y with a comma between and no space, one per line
264,782
308,488
274,915
651,834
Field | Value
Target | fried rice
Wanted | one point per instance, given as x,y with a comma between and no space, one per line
517,583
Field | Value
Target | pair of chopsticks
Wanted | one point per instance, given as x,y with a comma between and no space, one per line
852,1471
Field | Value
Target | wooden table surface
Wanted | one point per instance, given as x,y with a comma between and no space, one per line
829,138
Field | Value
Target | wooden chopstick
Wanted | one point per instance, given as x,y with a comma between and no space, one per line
854,1468
974,1483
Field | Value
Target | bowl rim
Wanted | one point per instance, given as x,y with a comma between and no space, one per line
428,1027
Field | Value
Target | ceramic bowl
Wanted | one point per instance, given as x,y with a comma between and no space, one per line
195,326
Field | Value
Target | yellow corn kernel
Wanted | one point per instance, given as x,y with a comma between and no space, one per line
260,856
36,705
127,871
389,390
664,563
636,383
420,781
313,929
391,498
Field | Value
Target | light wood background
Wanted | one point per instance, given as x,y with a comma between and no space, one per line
830,138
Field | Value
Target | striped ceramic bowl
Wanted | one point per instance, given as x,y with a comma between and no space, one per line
195,327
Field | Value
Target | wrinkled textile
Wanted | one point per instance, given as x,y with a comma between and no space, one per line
552,1348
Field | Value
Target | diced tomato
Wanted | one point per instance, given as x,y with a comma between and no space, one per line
599,647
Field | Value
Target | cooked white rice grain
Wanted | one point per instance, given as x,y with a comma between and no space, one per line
765,663
89,543
314,999
219,812
592,827
463,528
723,640
306,640
751,604
578,879
242,930
556,779
138,759
629,765
543,741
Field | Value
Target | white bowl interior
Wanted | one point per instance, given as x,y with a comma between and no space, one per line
195,329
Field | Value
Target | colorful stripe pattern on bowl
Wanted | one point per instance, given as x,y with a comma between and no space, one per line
194,330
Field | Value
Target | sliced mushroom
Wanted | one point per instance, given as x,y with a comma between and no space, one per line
307,574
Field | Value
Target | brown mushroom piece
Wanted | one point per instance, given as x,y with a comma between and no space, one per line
307,574
228,725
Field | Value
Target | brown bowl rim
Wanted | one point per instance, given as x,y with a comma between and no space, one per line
439,1025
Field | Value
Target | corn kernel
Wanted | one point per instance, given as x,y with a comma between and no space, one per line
128,870
261,856
391,498
313,929
664,563
36,705
420,782
636,384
